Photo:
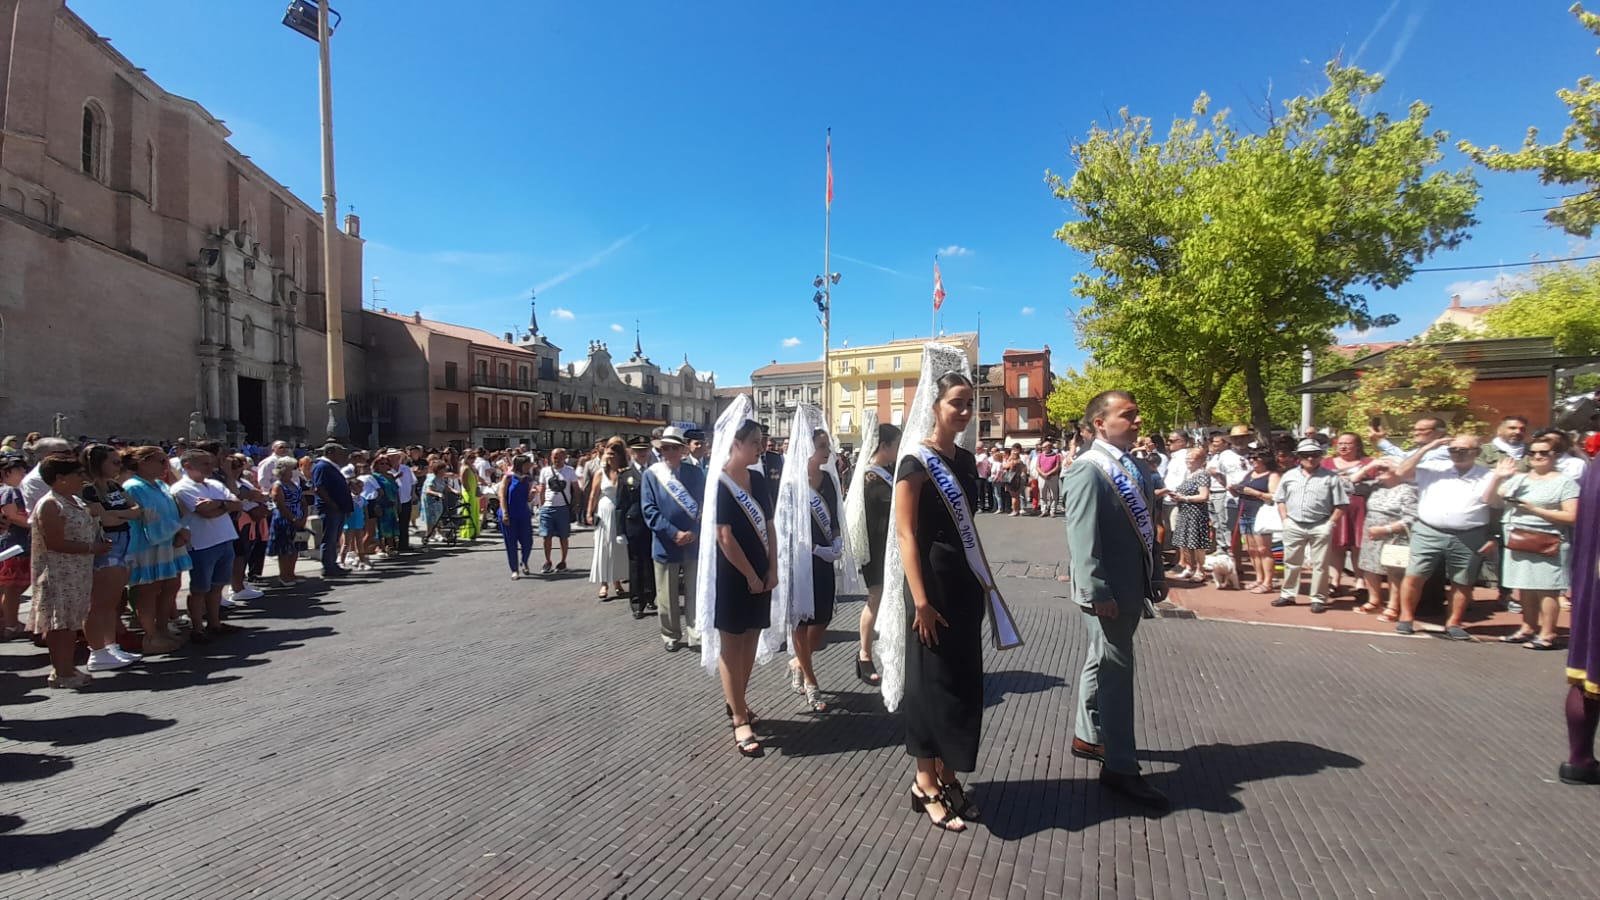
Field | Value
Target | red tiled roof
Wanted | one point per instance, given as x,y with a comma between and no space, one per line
1352,351
472,335
801,368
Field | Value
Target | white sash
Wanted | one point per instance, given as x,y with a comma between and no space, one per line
752,509
819,511
882,473
669,480
944,481
1128,489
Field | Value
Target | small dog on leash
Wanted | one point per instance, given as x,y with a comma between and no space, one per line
1223,573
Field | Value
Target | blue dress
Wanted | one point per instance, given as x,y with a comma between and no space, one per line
516,506
283,530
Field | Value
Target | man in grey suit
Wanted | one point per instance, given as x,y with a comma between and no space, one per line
1115,569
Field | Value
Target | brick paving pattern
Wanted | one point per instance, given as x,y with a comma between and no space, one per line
451,733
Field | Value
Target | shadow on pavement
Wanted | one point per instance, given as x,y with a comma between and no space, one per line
76,731
194,665
31,767
1208,778
855,720
38,851
1015,681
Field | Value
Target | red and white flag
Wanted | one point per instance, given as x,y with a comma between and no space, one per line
830,170
938,285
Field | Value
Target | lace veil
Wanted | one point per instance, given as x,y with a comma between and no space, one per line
855,503
937,361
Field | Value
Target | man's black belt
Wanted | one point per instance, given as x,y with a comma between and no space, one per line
1454,531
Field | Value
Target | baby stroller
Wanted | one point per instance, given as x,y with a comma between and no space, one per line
450,522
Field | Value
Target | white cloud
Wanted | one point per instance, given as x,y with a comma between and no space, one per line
954,250
565,315
1487,290
791,342
617,328
1027,310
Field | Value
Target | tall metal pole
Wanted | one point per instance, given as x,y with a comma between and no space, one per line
827,297
338,427
1307,372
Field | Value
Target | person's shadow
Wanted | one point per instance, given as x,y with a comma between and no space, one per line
38,851
996,685
1208,777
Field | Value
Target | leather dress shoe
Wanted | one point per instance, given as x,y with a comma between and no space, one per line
1082,749
1571,774
1135,788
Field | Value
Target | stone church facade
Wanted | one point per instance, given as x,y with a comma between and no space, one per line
150,270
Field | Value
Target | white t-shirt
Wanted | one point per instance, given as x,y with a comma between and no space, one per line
204,532
1175,473
557,498
265,471
485,470
1451,499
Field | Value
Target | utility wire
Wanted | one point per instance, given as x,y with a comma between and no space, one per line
1532,262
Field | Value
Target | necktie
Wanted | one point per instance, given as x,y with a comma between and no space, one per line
1133,469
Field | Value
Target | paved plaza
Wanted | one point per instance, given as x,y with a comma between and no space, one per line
441,731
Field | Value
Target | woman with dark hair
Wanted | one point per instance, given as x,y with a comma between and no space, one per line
1540,507
877,490
66,539
610,562
1349,457
16,570
826,538
1259,486
252,521
515,515
110,506
157,547
943,703
746,573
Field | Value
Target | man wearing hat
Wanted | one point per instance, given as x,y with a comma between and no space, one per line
631,524
699,453
1311,501
672,495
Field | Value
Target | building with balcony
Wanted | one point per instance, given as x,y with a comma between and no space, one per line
778,388
151,271
991,413
452,385
881,377
596,399
1027,383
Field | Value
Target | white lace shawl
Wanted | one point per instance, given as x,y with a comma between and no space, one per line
705,605
795,592
937,361
855,502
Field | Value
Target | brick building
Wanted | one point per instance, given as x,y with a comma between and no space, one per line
138,242
1027,383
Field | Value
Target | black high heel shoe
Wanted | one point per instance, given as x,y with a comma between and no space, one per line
752,713
867,672
954,797
947,822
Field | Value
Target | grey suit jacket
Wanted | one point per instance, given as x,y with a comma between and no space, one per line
1107,558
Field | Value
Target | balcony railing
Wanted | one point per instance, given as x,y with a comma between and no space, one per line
457,385
501,381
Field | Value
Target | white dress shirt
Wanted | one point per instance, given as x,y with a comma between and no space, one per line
1450,499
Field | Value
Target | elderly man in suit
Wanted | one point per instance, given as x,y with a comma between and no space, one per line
1115,566
631,523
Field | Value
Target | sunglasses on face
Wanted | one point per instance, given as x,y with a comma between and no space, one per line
1541,453
1463,451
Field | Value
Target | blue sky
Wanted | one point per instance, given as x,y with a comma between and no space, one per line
664,161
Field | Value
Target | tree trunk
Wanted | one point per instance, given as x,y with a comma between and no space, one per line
1255,388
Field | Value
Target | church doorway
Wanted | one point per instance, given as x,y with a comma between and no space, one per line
253,409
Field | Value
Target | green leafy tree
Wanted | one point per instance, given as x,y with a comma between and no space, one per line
1445,332
1219,253
1562,302
1074,388
1413,381
1572,161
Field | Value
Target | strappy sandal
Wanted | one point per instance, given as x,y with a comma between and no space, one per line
1520,637
814,698
1369,608
603,595
947,822
753,718
797,680
1389,614
867,672
954,797
750,747
1539,643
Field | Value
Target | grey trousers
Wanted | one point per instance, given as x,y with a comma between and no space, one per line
677,623
1105,690
1306,548
1224,508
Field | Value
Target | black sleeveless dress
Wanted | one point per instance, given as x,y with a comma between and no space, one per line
822,585
738,610
943,703
879,496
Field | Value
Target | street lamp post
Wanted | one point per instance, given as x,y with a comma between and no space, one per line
824,300
300,17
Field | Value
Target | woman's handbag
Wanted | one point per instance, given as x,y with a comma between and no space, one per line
1395,555
1267,519
1539,543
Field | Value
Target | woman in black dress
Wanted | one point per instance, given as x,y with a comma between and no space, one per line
943,701
877,486
826,547
746,575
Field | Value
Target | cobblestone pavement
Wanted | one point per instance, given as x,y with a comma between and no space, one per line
451,733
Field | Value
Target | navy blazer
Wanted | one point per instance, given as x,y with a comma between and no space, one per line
666,517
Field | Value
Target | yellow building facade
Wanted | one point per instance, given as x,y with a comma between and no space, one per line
881,377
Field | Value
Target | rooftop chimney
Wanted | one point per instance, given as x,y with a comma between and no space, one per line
1455,301
352,225
417,317
508,337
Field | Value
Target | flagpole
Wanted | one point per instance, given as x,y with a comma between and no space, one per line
933,316
827,293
